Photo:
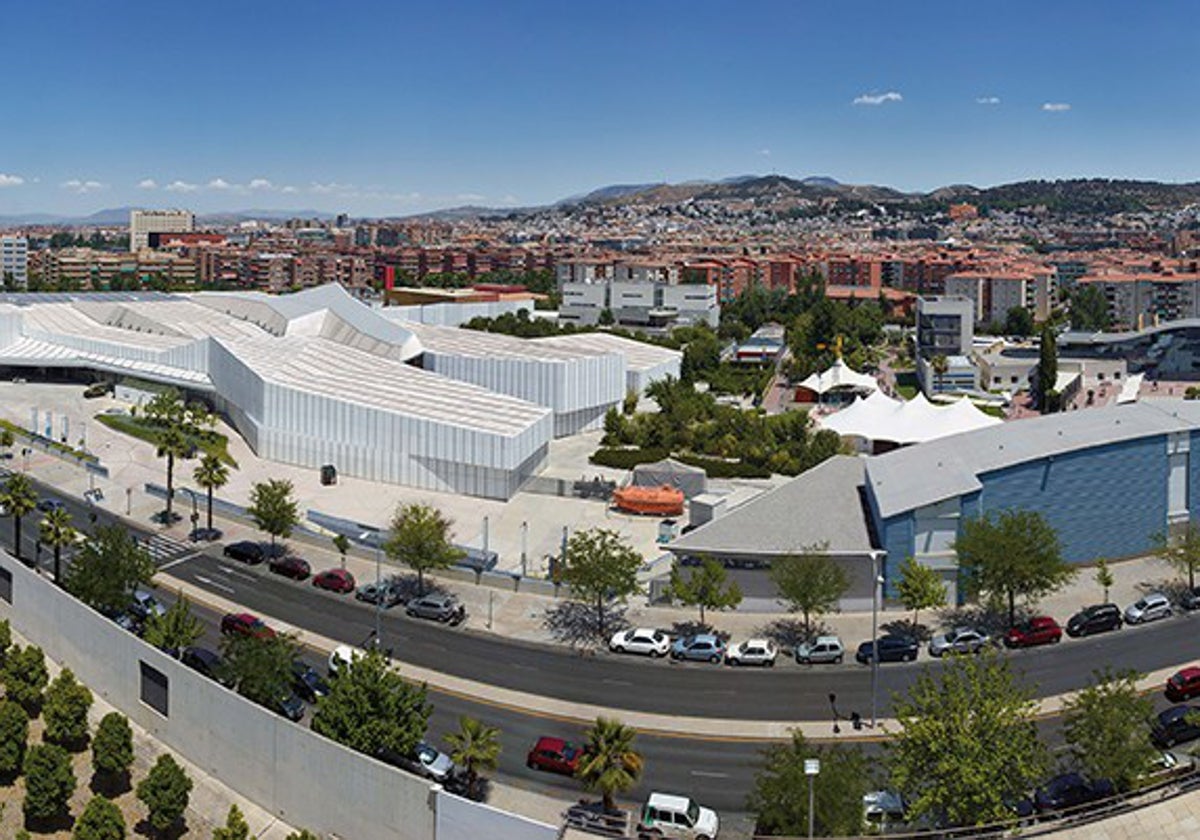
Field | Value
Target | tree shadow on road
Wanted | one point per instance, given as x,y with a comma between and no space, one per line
578,625
789,633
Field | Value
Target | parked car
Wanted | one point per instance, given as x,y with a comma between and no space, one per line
892,648
96,389
307,683
554,755
245,551
386,593
882,808
1069,790
203,661
1183,684
342,655
290,566
245,624
641,640
425,760
1098,618
128,622
1039,630
1150,607
289,705
143,605
824,649
335,580
443,608
1191,599
47,505
676,818
704,647
958,640
1176,725
752,652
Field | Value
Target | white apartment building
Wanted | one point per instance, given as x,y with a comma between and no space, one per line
142,223
14,260
994,294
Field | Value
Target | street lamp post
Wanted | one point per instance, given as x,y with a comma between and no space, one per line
812,766
876,587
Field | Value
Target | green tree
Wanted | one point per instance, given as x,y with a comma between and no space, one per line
811,582
1089,309
112,747
175,629
19,498
5,640
259,667
235,828
210,474
14,738
1104,577
302,834
707,586
342,543
164,792
49,782
967,745
701,356
610,764
173,444
628,406
25,676
66,710
941,366
600,567
476,747
56,531
7,439
779,800
1018,321
108,569
1047,370
420,539
1107,725
100,820
1010,554
1181,551
273,508
919,587
371,709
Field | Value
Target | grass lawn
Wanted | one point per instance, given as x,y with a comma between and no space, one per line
209,442
906,384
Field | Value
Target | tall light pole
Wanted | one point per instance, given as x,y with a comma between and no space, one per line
812,766
876,589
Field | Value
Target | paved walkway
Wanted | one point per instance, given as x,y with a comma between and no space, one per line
1177,817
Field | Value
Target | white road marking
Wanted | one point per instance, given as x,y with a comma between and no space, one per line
214,584
708,774
174,563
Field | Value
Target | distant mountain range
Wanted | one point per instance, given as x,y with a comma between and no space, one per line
112,216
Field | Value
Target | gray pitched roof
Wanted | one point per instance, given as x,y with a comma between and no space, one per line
821,505
930,472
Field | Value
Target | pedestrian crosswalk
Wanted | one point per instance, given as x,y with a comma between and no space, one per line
164,549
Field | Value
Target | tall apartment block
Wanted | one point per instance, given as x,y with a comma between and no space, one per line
14,260
142,223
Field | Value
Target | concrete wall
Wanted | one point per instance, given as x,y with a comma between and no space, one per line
304,778
462,819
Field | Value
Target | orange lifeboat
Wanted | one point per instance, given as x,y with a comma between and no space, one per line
652,501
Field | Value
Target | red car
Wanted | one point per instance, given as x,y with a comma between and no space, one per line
290,566
245,624
1039,630
1184,685
335,580
555,756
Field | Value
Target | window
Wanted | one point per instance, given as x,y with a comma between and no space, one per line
155,689
5,585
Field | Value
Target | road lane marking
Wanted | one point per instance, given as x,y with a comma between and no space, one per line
175,563
709,774
214,584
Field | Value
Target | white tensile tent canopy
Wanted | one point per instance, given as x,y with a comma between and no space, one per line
839,375
881,418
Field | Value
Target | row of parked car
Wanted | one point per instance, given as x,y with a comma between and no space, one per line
436,606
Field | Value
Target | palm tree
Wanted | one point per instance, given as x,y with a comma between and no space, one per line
212,475
57,531
610,764
19,497
342,543
475,746
172,444
940,365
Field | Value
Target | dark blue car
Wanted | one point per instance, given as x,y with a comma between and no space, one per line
891,649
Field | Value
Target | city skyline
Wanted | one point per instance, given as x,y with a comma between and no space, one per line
393,109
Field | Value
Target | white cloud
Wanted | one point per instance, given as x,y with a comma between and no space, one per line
290,190
987,100
181,187
147,184
219,184
878,98
331,187
7,180
1056,106
261,184
80,186
765,152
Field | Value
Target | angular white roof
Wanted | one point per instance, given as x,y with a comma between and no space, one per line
879,417
839,375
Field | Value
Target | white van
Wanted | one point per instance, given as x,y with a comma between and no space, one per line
676,818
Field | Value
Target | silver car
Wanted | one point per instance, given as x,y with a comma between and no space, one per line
1150,607
752,652
443,608
958,640
823,649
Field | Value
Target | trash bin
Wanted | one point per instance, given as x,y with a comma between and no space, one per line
328,475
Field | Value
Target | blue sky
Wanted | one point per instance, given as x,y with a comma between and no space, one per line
393,107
